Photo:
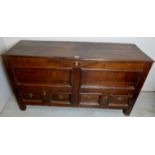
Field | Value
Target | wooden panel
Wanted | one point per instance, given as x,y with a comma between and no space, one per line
93,51
60,98
133,66
75,79
107,90
42,76
108,78
31,96
89,99
45,96
48,87
104,100
40,62
99,75
119,100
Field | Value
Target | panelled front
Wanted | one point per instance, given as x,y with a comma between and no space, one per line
100,75
43,76
110,78
43,81
98,84
109,84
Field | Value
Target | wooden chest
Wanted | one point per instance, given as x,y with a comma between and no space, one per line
71,74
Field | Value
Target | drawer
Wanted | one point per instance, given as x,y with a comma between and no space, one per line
109,65
31,96
61,97
89,99
115,101
40,62
45,97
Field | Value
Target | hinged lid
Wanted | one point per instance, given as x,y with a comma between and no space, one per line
79,50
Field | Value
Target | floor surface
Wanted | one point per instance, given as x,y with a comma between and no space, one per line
144,107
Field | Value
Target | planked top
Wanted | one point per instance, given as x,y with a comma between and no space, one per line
78,50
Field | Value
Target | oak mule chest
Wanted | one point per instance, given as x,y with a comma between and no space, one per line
76,74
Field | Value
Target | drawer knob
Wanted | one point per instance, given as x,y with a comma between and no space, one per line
44,93
60,97
106,97
30,95
88,98
120,98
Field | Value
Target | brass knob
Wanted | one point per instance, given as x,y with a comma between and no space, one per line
88,98
30,95
106,97
60,97
120,98
44,93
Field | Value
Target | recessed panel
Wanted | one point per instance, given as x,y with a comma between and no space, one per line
42,76
108,78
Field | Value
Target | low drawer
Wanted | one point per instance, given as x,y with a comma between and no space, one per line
115,101
89,99
45,97
105,100
60,98
31,96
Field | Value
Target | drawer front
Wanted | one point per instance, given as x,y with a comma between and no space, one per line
110,78
42,76
105,100
89,99
31,96
115,101
44,97
61,98
40,62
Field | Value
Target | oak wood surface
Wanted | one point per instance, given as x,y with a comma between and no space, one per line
76,74
79,50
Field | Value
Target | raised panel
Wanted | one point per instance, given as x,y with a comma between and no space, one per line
42,76
111,65
40,62
109,78
107,90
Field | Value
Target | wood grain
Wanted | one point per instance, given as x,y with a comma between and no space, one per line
76,74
